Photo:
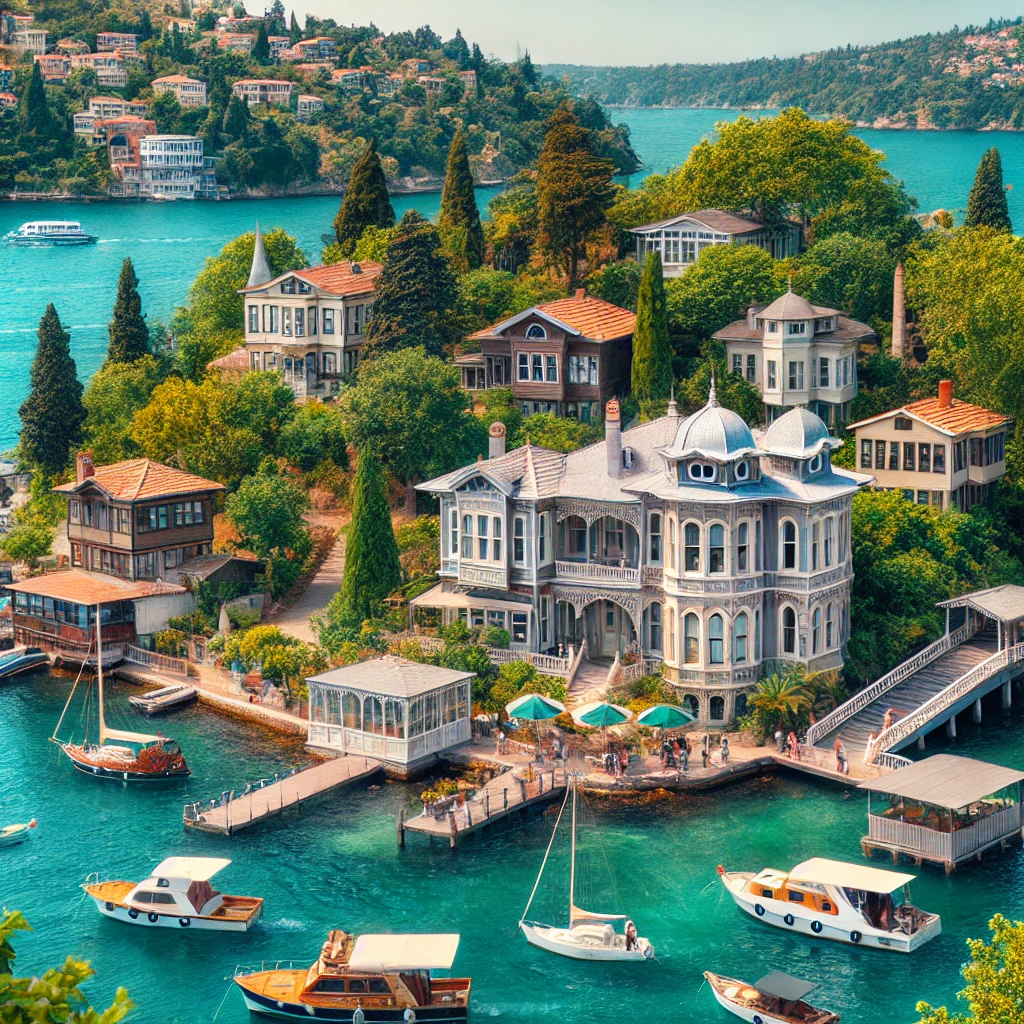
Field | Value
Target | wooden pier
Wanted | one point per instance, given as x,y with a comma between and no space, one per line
503,796
231,815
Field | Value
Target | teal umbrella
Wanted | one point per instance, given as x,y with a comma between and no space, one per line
665,716
534,707
601,714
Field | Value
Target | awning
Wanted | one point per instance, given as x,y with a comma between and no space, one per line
850,876
437,597
381,953
945,780
782,986
195,869
1005,603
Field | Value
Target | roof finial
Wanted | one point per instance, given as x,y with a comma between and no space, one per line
790,288
260,272
673,408
713,393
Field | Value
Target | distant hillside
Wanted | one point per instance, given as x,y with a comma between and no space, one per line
966,78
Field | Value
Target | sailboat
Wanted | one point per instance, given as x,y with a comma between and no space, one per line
589,936
148,759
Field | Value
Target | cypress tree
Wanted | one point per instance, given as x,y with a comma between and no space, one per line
294,33
459,225
36,109
236,118
415,293
52,415
652,353
261,47
129,336
986,205
372,569
366,201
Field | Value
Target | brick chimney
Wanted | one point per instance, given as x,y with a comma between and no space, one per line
945,394
613,437
83,466
581,293
496,441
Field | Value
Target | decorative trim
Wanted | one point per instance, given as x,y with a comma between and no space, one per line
580,597
591,511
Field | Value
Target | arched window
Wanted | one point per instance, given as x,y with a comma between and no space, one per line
654,539
742,470
788,544
815,463
716,708
536,331
742,538
351,711
830,627
691,635
788,631
691,706
691,562
740,634
716,640
816,631
741,704
702,471
716,548
830,540
654,626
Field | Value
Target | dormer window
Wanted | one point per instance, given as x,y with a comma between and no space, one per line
288,287
304,288
815,463
536,331
627,457
702,471
742,470
798,328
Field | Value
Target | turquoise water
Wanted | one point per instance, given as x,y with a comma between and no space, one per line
338,865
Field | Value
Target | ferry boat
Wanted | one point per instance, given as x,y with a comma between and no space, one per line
49,232
830,899
177,895
775,999
369,978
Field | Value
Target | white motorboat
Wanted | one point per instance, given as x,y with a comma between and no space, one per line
775,999
11,835
49,232
830,899
165,699
177,895
588,936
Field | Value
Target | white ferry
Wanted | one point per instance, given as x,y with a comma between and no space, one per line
829,899
49,232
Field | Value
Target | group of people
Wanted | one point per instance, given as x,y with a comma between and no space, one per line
616,760
675,753
787,744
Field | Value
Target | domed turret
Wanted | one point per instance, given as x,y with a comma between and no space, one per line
712,432
798,434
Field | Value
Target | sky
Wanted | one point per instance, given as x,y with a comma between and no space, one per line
660,31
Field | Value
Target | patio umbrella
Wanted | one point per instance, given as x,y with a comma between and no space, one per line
535,708
665,716
601,714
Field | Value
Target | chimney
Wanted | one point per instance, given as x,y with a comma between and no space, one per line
945,394
899,316
83,466
613,437
496,443
751,318
581,293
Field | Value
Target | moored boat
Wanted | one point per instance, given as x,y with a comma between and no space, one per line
11,835
774,999
177,895
49,232
167,698
21,659
830,899
369,978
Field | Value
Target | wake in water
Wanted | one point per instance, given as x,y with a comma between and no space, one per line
285,924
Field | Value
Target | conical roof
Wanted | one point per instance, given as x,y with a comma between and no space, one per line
788,307
260,272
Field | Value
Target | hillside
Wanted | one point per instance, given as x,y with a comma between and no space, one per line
966,78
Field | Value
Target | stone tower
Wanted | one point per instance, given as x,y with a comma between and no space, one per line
899,316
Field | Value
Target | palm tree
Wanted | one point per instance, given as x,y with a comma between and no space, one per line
779,699
828,691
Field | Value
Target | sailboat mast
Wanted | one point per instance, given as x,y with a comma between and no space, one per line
572,859
99,670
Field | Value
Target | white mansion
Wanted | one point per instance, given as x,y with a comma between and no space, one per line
680,540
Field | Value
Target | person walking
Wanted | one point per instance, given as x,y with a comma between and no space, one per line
794,746
704,757
842,762
684,758
725,750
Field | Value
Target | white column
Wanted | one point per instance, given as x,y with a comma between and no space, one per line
977,712
920,742
1007,694
951,727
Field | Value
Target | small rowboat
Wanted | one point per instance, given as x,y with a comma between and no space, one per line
775,999
10,835
156,702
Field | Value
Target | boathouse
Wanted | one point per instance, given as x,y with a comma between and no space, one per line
943,809
398,711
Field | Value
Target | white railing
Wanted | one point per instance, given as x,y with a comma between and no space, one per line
943,700
870,694
893,762
595,571
486,577
161,662
986,830
575,663
551,664
912,838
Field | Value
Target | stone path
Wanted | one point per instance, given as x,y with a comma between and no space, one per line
324,585
590,683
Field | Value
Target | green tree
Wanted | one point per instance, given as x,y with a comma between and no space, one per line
411,410
236,117
315,433
617,283
294,32
651,373
372,569
778,701
366,201
35,108
267,511
372,245
415,294
849,273
574,189
558,433
129,336
281,657
462,234
56,994
52,415
261,46
986,204
35,523
116,392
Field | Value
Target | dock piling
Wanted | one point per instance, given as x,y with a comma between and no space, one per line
401,828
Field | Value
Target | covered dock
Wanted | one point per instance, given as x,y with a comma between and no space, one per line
943,810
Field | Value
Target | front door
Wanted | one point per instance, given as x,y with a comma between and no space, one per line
611,616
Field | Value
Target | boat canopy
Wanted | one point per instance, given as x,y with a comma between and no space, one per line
784,987
383,953
190,869
850,876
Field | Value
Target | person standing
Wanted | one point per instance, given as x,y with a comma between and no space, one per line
725,750
780,740
794,746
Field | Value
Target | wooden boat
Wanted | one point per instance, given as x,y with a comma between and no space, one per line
21,659
167,698
177,895
147,759
775,999
830,899
588,936
11,835
369,978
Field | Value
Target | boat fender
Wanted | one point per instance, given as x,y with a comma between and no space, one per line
133,913
759,910
109,905
789,920
757,1020
153,918
359,1017
855,937
184,922
816,927
409,1016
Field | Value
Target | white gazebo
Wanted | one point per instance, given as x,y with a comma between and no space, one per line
399,711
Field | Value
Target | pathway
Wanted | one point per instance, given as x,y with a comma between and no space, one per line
324,585
590,683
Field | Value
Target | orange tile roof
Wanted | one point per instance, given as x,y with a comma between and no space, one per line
958,417
92,587
140,479
594,318
338,278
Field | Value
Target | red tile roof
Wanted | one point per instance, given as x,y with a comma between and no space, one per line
140,479
340,279
92,587
958,417
593,318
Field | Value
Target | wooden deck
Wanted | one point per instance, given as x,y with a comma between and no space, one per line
505,795
234,815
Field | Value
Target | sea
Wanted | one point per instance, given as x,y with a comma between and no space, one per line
337,864
169,242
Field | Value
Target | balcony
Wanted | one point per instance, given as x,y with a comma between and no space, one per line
597,572
481,576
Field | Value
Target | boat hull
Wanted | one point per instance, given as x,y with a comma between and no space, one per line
47,242
126,774
277,1009
27,663
756,1015
559,940
124,914
11,835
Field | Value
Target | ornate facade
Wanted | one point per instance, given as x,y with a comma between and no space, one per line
682,541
